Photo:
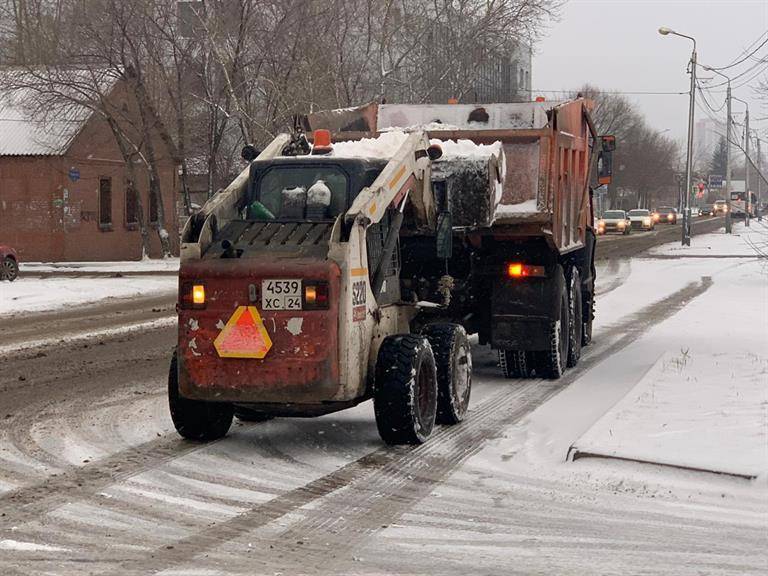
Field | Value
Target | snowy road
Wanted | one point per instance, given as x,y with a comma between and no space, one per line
93,480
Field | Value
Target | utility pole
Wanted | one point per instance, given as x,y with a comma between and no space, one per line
759,181
687,224
728,126
746,170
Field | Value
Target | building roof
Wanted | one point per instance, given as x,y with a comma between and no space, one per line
41,113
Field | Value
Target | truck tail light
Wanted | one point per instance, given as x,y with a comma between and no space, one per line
315,295
193,295
519,270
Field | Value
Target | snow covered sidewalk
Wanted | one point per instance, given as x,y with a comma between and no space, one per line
147,266
703,411
30,294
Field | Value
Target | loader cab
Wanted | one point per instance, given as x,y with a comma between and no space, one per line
307,188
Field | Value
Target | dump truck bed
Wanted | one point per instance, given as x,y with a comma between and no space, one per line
545,156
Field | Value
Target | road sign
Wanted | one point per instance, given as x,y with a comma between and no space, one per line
715,181
74,174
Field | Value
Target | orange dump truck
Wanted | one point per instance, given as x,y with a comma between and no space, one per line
515,180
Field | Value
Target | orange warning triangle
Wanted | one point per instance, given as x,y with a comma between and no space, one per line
244,336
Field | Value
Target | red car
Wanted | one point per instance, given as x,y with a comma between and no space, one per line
9,263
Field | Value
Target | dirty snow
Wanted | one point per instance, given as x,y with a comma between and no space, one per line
30,294
170,265
509,210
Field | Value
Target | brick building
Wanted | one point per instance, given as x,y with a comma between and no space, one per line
64,193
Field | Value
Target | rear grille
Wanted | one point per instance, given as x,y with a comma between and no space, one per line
244,234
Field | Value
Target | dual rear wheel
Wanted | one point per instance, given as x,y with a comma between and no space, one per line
565,334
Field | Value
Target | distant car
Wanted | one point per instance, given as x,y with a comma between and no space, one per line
614,221
641,219
9,263
719,207
705,210
695,211
665,215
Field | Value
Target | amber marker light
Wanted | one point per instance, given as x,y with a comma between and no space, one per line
198,295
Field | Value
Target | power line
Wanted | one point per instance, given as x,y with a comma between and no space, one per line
611,92
748,56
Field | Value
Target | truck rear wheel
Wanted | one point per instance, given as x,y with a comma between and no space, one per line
514,363
453,359
405,390
551,363
194,419
575,317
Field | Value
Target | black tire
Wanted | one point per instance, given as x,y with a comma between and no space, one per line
515,364
248,415
10,269
589,316
575,318
552,363
194,419
405,390
453,360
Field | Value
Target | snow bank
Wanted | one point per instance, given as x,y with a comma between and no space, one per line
170,265
752,241
701,410
41,294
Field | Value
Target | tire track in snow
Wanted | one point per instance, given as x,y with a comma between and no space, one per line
400,476
355,502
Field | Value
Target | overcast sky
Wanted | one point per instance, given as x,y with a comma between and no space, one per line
614,44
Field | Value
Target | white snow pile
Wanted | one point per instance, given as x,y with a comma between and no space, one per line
28,294
467,149
319,194
701,411
385,146
170,265
512,210
428,127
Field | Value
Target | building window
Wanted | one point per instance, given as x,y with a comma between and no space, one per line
105,203
152,206
131,206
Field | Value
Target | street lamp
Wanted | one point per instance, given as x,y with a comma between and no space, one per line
728,124
746,162
687,224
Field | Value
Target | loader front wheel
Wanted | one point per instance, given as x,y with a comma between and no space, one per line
405,390
194,419
453,358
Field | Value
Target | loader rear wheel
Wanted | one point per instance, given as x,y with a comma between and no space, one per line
405,390
575,319
194,419
453,359
551,363
514,363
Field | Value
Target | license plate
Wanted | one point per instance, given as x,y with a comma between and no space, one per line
281,294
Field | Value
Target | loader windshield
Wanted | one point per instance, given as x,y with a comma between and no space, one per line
308,192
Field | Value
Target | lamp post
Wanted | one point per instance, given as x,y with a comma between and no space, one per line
728,124
746,162
687,225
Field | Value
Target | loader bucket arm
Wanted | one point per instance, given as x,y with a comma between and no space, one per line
406,173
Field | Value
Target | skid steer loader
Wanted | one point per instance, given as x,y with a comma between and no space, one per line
291,301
